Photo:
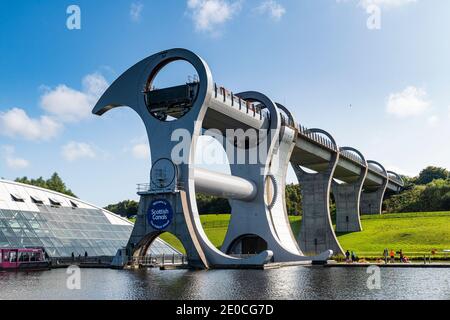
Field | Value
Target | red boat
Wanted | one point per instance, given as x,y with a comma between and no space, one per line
23,259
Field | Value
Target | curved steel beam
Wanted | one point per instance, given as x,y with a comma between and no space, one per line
254,96
289,114
348,197
402,182
317,130
380,166
316,231
357,152
372,202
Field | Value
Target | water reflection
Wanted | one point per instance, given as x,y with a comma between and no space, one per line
294,283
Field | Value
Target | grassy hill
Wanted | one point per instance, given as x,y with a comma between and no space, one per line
415,233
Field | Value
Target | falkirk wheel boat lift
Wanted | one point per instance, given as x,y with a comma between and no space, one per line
259,232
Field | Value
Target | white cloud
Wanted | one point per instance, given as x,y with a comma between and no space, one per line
141,151
94,85
136,11
63,104
16,123
77,150
385,3
433,120
12,161
272,8
209,15
410,102
70,105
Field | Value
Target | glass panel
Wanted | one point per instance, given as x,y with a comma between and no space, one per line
14,242
29,215
3,238
13,223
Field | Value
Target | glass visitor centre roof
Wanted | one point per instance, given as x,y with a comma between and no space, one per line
35,217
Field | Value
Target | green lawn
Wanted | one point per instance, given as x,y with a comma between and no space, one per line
415,233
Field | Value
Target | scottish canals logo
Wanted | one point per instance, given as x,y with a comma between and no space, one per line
160,214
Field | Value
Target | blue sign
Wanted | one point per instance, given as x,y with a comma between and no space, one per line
160,214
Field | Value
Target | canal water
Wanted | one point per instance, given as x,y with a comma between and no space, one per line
293,283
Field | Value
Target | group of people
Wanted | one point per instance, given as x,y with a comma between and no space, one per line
351,257
389,255
79,256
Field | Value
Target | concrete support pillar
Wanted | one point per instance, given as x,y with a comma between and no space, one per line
372,199
372,202
316,231
347,197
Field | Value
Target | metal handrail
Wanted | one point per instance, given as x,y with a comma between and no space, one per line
312,136
143,187
351,156
234,101
160,260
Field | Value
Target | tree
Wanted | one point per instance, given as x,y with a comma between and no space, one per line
212,205
206,205
429,174
435,196
55,183
293,199
409,182
127,208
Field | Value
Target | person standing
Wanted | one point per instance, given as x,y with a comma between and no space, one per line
392,254
386,255
353,257
347,256
402,257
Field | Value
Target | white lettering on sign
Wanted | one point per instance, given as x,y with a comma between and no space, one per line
160,214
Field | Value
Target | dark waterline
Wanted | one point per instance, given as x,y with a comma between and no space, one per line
294,283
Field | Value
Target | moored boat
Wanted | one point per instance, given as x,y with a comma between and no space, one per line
23,259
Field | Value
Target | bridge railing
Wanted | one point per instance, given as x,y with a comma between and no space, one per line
317,138
80,260
394,178
352,157
159,260
376,169
229,98
143,187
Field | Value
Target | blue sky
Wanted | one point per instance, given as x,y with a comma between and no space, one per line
385,91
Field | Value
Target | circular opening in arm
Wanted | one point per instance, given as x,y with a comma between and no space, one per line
171,90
